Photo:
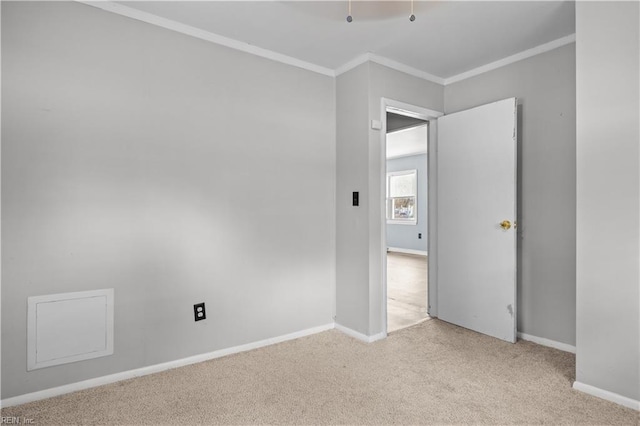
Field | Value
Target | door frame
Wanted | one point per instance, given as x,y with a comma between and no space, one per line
430,116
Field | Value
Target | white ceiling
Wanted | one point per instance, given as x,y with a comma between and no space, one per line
405,142
447,38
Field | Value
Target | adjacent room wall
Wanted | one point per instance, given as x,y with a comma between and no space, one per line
171,169
545,88
406,236
608,209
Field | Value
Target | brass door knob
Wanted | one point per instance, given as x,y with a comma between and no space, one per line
505,224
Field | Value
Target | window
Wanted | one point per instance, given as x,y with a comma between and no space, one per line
402,197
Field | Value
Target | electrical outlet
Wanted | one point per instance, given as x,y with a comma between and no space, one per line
420,235
199,312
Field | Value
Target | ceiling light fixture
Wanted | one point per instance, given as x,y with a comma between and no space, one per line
412,17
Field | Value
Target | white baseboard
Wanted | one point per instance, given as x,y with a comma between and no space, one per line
99,381
377,337
408,251
609,396
360,336
547,342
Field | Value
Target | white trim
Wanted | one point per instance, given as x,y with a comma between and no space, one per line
398,66
547,342
357,335
402,222
413,154
389,63
380,336
609,396
511,59
408,110
99,381
408,251
355,62
169,24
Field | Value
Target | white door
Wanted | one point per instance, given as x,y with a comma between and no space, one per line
476,247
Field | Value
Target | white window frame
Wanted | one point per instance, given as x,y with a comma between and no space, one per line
412,221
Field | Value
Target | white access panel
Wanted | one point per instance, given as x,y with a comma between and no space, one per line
69,327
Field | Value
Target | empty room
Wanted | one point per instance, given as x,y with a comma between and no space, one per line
208,216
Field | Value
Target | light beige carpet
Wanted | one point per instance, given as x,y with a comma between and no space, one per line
431,373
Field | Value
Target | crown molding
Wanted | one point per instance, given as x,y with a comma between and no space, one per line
355,62
389,63
513,58
169,24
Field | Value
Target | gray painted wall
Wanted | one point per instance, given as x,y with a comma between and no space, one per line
359,291
545,88
352,223
127,163
406,236
171,169
608,210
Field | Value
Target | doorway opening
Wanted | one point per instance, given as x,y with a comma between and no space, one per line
406,220
409,287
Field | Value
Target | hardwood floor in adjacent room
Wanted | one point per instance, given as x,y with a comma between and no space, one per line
406,290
